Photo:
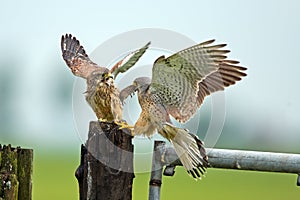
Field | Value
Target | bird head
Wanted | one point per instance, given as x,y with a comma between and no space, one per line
141,84
100,78
107,78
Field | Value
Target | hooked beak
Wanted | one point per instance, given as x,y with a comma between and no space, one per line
108,79
107,76
136,86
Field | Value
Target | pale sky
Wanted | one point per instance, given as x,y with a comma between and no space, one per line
263,35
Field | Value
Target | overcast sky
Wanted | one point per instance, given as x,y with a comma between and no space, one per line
263,35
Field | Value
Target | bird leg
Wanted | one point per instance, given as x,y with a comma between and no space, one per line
123,124
102,120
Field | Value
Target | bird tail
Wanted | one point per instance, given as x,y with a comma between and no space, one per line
189,149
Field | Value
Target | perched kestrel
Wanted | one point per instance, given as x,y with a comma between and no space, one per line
178,86
102,95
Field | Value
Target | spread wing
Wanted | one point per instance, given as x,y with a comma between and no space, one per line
177,79
76,58
127,62
129,90
227,74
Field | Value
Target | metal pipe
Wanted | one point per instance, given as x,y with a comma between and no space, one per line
245,160
254,160
164,155
156,172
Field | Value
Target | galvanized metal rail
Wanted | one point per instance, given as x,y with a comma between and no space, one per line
164,155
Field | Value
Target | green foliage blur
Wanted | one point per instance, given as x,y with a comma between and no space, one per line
54,178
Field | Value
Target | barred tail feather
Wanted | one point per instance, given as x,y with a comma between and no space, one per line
189,149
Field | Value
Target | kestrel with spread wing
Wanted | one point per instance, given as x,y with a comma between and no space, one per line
102,94
178,86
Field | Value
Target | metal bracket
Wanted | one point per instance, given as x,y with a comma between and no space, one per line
169,170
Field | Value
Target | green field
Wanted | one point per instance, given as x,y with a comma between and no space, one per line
54,178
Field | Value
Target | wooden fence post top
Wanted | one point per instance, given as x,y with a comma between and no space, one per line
106,167
16,165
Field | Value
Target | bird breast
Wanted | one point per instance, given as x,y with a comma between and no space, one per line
153,110
100,100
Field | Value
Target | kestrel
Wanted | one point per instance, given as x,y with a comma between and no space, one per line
178,86
102,95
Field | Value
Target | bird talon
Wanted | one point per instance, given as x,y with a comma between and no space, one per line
102,120
126,126
123,124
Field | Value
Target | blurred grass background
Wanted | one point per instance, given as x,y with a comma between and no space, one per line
54,178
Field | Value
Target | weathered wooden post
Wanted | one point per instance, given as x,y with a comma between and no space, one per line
15,173
106,169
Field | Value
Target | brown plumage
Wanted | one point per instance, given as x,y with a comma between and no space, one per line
178,86
227,74
102,95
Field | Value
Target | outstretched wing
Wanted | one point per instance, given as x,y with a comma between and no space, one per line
129,90
76,58
227,74
127,62
176,79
